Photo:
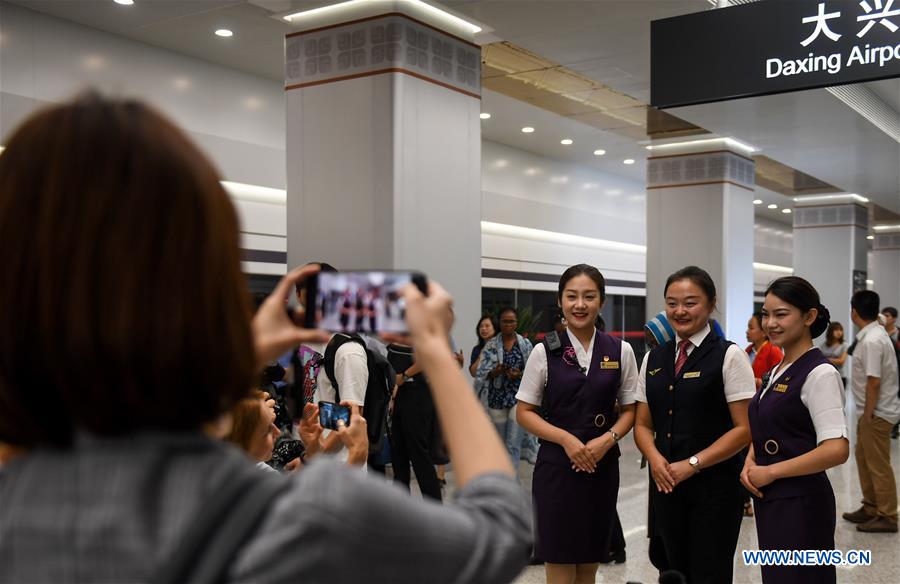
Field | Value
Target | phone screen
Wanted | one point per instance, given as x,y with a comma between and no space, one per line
330,413
363,302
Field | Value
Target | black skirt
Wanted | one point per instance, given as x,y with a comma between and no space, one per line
797,523
574,511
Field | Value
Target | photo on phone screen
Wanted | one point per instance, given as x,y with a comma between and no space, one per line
330,413
363,302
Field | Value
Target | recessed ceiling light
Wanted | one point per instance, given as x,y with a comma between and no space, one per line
124,2
599,152
485,116
224,32
786,211
527,130
566,141
628,161
773,206
757,201
870,237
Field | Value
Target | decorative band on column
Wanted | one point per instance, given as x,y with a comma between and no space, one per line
884,241
831,216
681,170
392,43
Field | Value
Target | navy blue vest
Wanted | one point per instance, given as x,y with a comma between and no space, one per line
582,403
689,411
781,427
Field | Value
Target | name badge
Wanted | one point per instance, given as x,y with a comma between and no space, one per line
609,365
692,375
780,388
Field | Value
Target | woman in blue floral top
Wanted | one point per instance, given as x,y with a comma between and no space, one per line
497,382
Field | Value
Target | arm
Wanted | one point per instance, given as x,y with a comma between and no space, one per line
471,439
839,361
728,444
873,388
473,368
599,446
828,454
528,417
643,438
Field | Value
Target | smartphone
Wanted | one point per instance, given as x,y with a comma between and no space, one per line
360,302
330,413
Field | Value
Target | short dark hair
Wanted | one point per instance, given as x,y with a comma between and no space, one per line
484,317
800,293
889,310
582,270
506,309
865,303
698,276
120,263
758,316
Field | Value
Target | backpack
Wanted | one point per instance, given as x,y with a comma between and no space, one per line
378,389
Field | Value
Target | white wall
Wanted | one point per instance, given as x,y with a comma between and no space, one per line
237,118
527,190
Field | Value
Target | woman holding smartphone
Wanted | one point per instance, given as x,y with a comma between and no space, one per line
567,398
798,429
691,422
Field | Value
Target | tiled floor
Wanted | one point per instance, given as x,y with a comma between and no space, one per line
632,508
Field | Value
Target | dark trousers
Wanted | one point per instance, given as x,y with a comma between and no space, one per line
412,434
700,522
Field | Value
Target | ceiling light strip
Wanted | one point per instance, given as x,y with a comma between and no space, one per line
849,197
417,3
255,193
730,142
772,268
540,235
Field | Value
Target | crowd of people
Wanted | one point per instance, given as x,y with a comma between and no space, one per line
172,418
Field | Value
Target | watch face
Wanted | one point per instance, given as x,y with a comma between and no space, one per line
693,460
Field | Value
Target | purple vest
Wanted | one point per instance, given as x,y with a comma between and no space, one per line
582,403
781,427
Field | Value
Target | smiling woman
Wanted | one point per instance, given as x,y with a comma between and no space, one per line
692,395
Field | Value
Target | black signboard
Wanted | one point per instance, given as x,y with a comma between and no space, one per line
772,46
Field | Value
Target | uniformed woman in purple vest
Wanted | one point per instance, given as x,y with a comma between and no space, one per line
691,423
798,429
567,398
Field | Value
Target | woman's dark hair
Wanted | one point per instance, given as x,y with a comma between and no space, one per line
697,276
120,263
758,316
582,270
829,333
489,317
798,292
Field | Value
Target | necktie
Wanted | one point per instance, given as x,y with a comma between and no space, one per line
682,356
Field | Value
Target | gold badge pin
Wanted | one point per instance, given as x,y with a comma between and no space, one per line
692,375
655,371
606,357
781,387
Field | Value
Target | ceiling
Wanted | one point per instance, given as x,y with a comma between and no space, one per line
605,40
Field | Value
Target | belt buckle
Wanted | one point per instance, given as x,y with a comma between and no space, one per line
600,420
771,447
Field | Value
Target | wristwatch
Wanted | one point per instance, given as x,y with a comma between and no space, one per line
695,463
615,435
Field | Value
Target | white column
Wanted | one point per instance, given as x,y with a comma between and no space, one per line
830,251
700,212
885,268
384,146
